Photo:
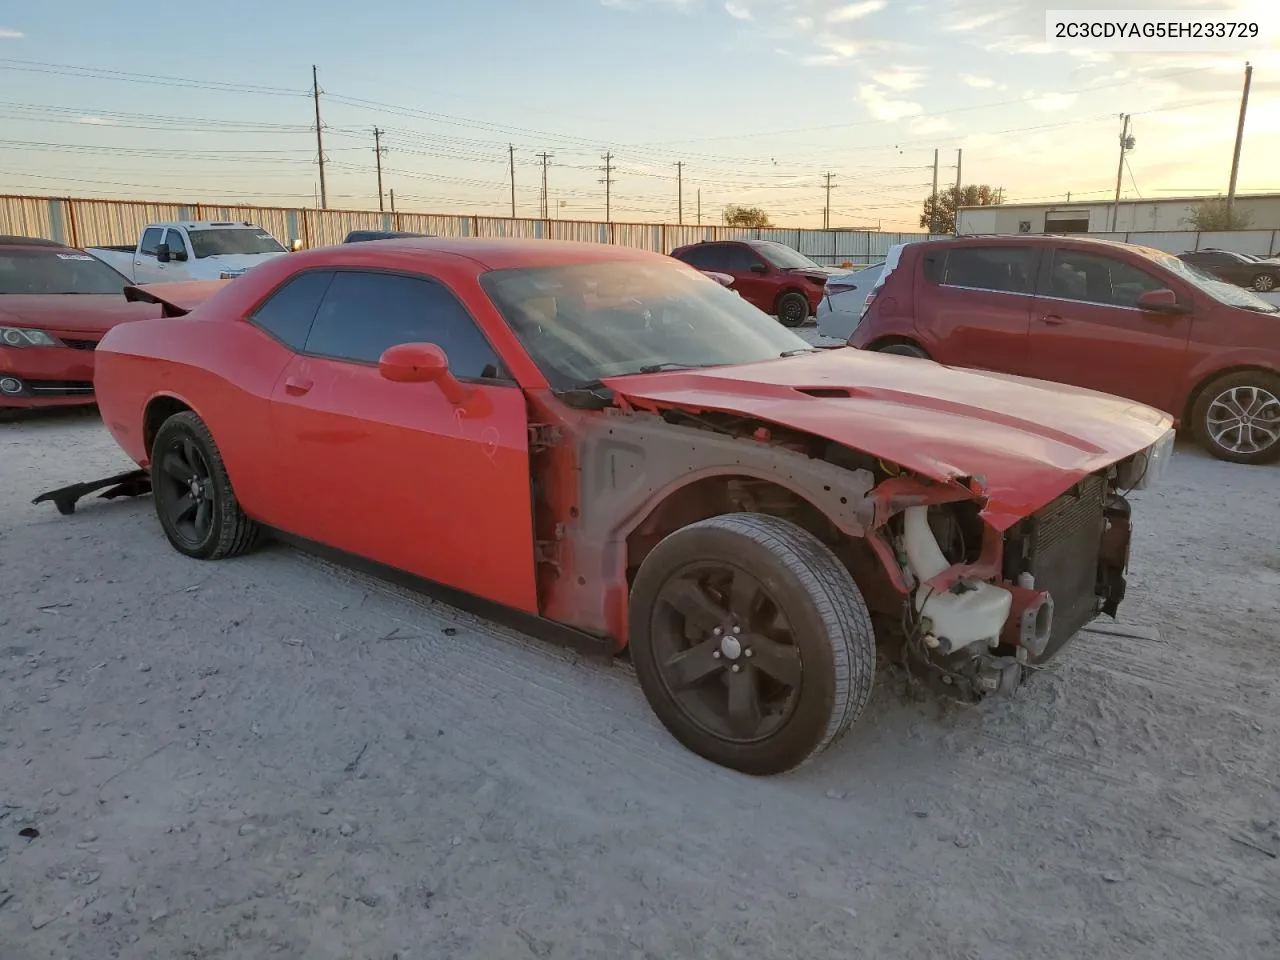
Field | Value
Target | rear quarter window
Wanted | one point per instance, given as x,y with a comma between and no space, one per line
1002,269
288,313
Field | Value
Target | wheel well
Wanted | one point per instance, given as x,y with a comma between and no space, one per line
1200,387
891,341
714,496
158,411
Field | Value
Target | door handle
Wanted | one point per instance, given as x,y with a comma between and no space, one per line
296,385
1052,320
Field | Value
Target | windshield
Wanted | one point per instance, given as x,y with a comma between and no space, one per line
587,321
1220,290
218,243
55,271
782,256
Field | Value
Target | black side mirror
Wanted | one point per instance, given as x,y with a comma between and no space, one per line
179,255
759,268
162,253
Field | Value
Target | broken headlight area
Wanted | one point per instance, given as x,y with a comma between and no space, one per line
982,604
1145,468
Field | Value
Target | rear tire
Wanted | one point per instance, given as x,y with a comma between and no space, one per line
904,350
1234,416
198,510
799,613
793,309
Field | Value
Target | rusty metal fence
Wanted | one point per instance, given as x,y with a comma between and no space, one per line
82,223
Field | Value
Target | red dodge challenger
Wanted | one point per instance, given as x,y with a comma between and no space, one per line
56,302
615,448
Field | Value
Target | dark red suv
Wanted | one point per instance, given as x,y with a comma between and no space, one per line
1113,317
769,275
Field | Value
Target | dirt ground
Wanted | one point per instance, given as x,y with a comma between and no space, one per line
271,757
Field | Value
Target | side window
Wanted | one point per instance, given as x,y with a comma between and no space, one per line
694,257
739,259
363,314
287,313
150,240
1091,278
1006,269
177,243
708,258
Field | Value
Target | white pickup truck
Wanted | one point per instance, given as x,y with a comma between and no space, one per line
191,250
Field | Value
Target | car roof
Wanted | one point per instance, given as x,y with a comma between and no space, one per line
1034,240
15,241
497,253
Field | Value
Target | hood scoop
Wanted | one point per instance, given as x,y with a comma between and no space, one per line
827,393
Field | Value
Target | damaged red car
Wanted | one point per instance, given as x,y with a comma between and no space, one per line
603,441
56,302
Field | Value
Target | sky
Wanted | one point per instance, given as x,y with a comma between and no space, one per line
758,100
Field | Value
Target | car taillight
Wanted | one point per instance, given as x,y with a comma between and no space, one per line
866,304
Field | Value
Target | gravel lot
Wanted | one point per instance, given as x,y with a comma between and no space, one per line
272,757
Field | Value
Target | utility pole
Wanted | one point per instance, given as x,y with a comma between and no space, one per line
544,157
959,188
1125,145
378,151
1235,157
826,211
699,206
511,157
315,93
933,202
393,200
608,184
680,192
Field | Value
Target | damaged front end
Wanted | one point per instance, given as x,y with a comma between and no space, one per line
981,604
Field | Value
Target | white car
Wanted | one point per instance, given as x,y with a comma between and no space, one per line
844,299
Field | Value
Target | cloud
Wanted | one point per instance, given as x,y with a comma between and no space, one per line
980,83
924,126
1050,102
900,79
737,11
804,23
975,22
855,11
822,60
7,34
881,106
841,48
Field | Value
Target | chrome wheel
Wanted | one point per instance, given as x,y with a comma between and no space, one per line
1264,283
1244,420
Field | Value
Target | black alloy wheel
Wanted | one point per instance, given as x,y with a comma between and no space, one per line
751,641
793,309
196,506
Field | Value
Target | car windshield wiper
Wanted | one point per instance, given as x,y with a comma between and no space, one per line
670,365
796,352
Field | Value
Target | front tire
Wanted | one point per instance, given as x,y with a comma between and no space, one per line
1237,417
793,309
198,510
1264,282
751,642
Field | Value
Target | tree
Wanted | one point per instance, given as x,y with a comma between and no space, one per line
736,215
1210,216
950,200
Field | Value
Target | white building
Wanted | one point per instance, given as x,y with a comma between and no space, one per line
1164,223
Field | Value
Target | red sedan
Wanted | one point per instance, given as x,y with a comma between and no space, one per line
605,443
56,302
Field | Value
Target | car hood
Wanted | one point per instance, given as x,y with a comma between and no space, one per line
72,313
940,422
817,273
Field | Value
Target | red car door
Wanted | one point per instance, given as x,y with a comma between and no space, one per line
974,304
1089,332
756,280
395,472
